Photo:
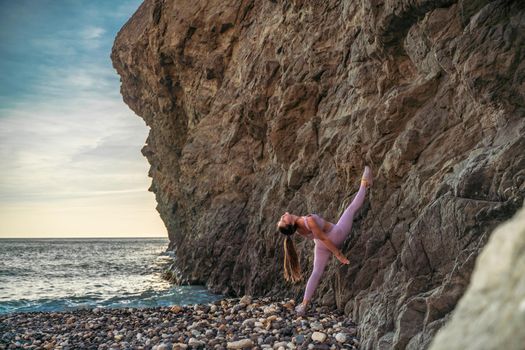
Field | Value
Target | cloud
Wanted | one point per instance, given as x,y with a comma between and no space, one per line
44,155
92,37
91,33
90,79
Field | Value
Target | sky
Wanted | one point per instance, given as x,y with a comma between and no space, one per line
70,155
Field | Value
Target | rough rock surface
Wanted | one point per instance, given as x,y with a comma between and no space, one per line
491,314
257,107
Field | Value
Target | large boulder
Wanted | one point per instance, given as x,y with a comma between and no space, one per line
491,314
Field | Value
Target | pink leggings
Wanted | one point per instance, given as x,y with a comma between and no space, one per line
337,235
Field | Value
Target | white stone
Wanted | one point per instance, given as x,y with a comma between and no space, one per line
195,342
246,300
269,310
340,337
319,336
240,344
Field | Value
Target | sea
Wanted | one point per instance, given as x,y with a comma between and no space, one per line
68,274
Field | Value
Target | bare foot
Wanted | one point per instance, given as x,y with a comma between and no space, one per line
300,309
367,176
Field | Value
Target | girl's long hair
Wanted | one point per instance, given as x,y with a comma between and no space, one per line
292,268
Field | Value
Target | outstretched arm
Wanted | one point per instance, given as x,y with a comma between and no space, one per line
319,234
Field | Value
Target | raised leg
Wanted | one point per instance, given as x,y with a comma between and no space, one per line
345,221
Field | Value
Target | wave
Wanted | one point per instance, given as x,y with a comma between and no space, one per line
179,295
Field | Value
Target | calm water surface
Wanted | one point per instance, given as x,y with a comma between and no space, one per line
65,274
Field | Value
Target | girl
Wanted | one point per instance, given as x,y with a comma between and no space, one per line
328,239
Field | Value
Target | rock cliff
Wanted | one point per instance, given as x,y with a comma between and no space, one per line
257,107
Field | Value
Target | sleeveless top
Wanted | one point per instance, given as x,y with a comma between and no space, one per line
318,220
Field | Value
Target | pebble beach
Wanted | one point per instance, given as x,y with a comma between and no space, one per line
243,323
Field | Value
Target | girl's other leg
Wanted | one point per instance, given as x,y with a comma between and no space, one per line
321,257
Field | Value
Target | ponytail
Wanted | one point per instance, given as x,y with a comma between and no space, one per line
292,268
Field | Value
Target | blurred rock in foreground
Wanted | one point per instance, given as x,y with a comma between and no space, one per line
491,314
